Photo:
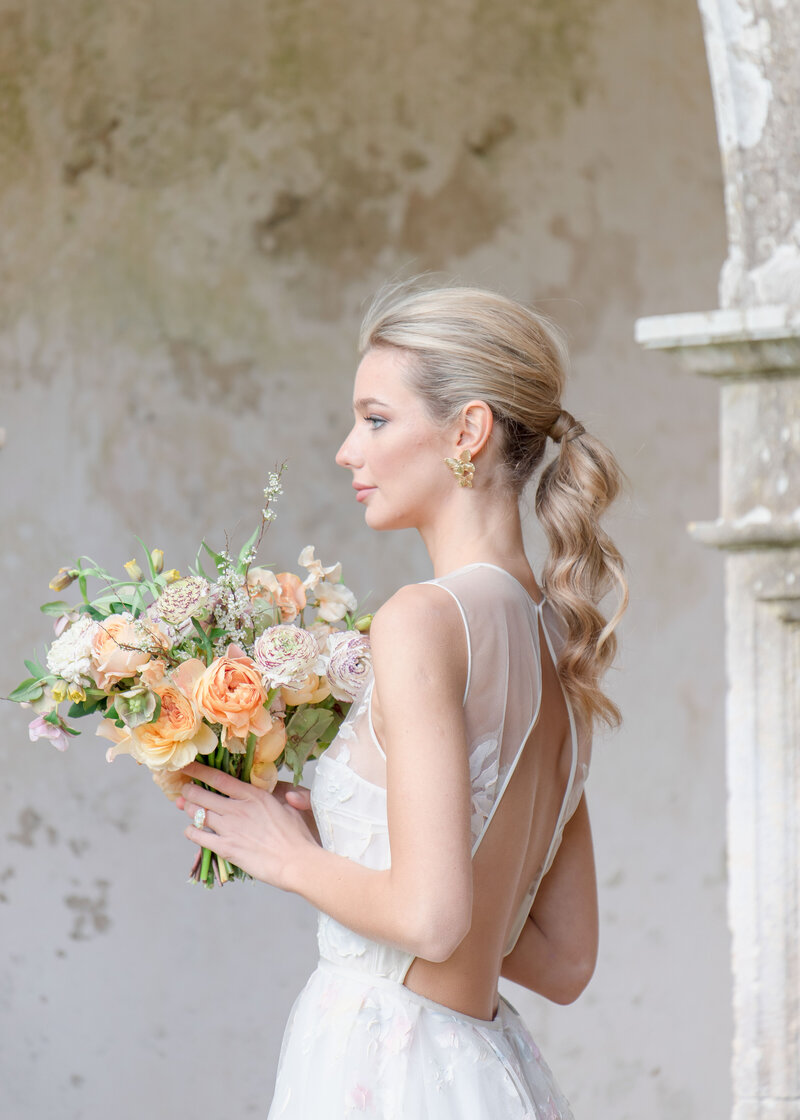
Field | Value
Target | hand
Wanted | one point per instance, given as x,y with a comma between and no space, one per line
258,831
299,797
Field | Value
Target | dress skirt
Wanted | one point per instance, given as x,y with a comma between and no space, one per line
360,1045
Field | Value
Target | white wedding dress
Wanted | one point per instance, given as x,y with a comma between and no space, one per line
358,1043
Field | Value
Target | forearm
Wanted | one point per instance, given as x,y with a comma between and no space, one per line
557,949
378,904
539,964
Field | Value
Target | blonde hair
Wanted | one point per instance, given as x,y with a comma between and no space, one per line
465,344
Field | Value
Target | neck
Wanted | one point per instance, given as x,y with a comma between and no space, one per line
476,527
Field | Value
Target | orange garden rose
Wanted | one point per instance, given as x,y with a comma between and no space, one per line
176,737
230,692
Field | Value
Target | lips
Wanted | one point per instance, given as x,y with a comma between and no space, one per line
362,490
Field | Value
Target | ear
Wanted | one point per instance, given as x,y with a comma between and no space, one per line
474,426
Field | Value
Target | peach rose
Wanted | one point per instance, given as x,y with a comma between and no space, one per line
311,691
230,692
117,651
171,782
285,590
264,773
176,737
153,672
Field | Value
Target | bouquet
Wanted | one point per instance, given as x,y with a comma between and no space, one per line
223,663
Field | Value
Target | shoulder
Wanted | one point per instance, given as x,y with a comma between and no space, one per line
419,630
415,607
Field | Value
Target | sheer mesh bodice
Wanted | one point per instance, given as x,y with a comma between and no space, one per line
502,702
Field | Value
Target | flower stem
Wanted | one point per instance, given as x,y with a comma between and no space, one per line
248,758
205,866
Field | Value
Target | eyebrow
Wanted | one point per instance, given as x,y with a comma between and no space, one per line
365,402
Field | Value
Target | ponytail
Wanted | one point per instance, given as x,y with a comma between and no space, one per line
583,563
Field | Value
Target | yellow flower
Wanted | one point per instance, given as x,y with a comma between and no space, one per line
60,691
65,577
76,694
172,575
157,560
133,570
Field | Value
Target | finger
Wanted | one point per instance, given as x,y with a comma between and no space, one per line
198,797
192,808
299,798
207,840
219,780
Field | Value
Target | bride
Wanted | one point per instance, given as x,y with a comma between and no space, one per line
445,840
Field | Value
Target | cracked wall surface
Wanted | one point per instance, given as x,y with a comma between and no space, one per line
195,202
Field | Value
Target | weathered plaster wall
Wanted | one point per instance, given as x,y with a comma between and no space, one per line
193,205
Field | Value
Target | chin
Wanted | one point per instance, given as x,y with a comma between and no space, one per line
383,520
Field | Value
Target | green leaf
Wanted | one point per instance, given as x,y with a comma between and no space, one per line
199,565
35,669
30,689
71,730
215,556
111,713
83,708
82,583
303,731
150,565
56,606
204,639
242,562
53,717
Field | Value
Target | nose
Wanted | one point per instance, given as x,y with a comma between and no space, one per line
347,455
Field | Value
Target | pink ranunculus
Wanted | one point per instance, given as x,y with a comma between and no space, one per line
39,728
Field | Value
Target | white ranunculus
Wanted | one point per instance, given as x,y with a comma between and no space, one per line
349,665
285,654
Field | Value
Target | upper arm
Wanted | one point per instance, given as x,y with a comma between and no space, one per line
419,661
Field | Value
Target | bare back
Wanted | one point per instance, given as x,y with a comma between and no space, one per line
528,762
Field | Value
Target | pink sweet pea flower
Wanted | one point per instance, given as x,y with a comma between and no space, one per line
39,728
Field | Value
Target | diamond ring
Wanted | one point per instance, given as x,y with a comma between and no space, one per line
199,817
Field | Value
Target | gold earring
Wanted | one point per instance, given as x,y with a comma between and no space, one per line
463,468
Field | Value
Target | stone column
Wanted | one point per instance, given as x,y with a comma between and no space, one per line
756,356
753,347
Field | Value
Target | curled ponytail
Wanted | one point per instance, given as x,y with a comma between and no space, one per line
465,343
583,563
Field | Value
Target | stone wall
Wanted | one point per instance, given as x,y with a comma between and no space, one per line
195,201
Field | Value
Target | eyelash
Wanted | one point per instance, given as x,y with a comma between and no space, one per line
373,420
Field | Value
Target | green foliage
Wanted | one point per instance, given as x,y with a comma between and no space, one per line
85,707
56,606
30,689
304,731
205,641
219,561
